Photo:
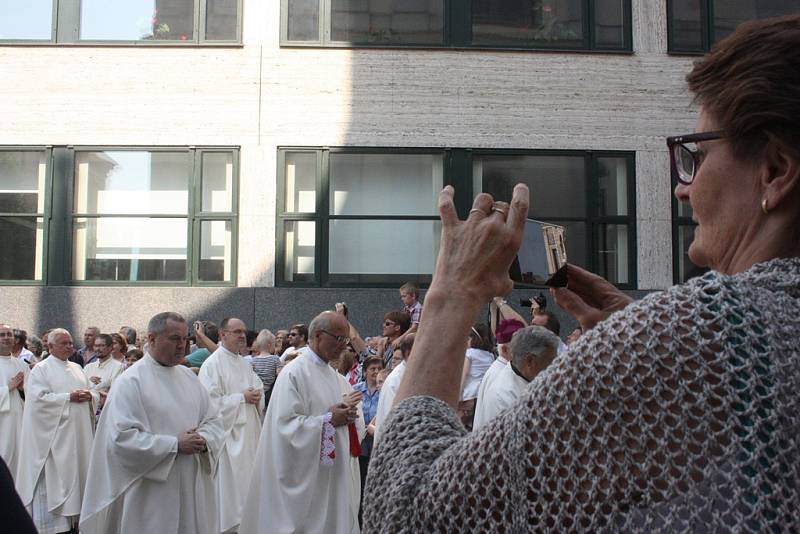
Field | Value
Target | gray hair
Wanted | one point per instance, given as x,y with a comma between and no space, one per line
35,341
158,323
129,333
320,322
531,340
55,332
264,339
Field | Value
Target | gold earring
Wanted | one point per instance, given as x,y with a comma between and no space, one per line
764,206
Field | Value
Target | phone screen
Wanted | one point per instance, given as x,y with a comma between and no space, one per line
542,257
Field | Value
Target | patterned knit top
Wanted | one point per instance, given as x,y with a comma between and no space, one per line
680,413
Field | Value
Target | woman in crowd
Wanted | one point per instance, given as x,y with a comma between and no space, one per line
370,395
132,356
477,360
119,347
265,362
674,413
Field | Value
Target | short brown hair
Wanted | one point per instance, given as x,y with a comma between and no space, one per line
400,318
750,84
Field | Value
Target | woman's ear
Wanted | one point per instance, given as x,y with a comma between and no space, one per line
781,179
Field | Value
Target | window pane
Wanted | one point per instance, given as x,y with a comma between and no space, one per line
557,183
28,19
217,181
575,239
612,253
137,20
303,20
135,249
612,177
686,25
525,23
221,20
215,251
385,184
728,14
383,247
684,209
609,23
128,182
388,21
22,179
301,182
300,250
24,238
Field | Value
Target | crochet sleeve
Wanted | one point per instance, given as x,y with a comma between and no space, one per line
660,418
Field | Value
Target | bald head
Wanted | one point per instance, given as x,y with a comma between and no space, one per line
328,334
6,340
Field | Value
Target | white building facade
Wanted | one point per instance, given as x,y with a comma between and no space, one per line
268,158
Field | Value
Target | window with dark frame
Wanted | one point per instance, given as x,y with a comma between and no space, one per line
696,25
354,216
514,24
120,215
123,22
23,183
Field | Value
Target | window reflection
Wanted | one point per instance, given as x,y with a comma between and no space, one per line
139,20
390,21
28,19
527,23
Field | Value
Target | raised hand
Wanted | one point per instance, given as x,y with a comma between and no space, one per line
589,298
475,254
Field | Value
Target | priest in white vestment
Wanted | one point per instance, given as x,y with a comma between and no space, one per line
157,442
105,369
503,334
238,393
57,428
390,387
13,377
303,479
532,349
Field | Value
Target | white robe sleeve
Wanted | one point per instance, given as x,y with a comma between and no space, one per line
229,404
5,399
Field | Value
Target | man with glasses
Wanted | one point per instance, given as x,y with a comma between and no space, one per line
304,479
395,325
238,392
298,340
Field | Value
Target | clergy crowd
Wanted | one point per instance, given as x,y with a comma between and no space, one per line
208,428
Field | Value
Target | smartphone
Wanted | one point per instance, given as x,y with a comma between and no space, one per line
542,257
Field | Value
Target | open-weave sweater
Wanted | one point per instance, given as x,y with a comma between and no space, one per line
679,413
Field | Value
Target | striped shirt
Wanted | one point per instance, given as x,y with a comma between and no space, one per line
266,367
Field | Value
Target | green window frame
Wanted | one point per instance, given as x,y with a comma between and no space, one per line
20,219
62,221
317,222
456,29
65,28
704,24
